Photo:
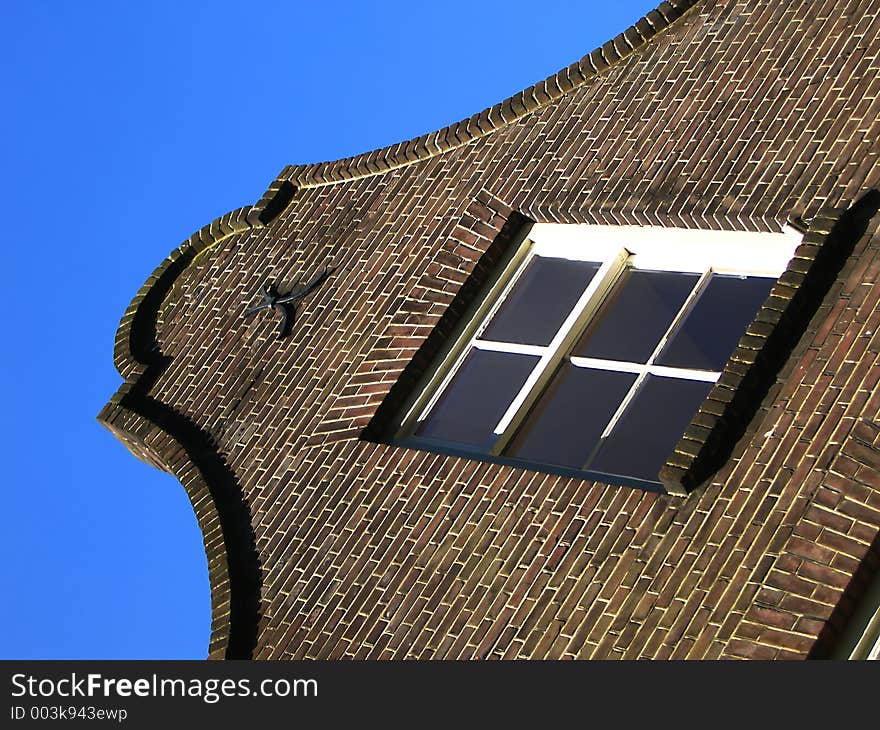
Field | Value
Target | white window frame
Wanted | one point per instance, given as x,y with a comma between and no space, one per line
615,248
869,645
860,639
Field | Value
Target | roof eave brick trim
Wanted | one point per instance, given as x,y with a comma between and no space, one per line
500,115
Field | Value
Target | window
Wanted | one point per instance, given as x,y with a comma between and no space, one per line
861,636
595,348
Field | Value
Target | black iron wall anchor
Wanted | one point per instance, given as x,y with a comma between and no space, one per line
286,303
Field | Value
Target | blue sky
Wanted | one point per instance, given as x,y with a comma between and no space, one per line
126,127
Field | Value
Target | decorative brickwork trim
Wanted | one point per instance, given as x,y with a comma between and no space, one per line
134,344
168,441
276,198
810,590
696,219
762,351
495,117
159,449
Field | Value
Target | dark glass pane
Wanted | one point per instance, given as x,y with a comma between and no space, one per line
709,333
541,299
636,315
650,427
565,425
479,394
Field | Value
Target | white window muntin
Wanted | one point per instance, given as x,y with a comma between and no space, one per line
617,247
666,372
591,298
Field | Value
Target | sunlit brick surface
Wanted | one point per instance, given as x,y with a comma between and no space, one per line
739,115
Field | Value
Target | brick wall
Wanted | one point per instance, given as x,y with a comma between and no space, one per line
713,114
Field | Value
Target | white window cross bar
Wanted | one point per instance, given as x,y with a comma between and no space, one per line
662,371
511,347
602,281
683,312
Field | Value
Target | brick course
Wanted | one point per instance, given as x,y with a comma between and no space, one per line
324,542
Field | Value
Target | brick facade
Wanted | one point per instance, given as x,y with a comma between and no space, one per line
323,541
